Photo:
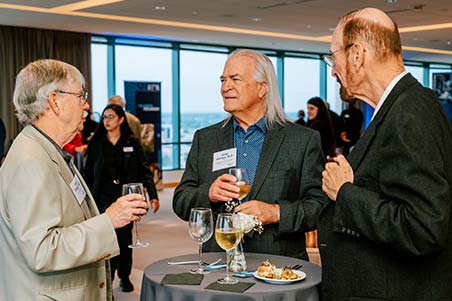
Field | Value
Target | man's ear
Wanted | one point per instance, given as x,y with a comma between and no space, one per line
358,54
262,90
53,103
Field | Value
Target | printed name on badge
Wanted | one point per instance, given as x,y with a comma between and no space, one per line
127,149
224,159
78,190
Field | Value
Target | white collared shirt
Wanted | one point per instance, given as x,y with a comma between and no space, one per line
387,91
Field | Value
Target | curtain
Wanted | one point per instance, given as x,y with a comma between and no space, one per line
20,46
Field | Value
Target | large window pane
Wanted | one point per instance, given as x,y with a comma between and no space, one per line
200,98
301,82
99,88
150,65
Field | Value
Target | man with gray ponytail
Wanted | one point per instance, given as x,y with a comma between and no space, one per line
54,241
284,161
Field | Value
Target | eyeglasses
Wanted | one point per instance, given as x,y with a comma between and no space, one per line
109,116
330,59
82,95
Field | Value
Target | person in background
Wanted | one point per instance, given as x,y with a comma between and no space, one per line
283,160
353,124
77,149
387,232
55,244
300,119
132,120
114,158
89,127
319,120
338,127
2,140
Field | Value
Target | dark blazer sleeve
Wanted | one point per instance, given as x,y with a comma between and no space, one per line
401,195
190,192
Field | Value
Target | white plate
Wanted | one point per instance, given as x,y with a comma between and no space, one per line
301,276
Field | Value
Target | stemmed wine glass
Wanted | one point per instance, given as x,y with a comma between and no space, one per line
227,234
200,227
136,188
243,181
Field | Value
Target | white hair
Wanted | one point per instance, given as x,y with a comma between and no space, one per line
117,100
265,72
36,81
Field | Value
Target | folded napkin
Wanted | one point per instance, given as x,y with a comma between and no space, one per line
235,288
182,278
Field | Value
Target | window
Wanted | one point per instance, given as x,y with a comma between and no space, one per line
301,82
201,103
417,72
99,88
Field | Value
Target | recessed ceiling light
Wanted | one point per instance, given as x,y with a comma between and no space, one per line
160,7
448,43
414,39
391,1
332,28
194,12
256,19
309,26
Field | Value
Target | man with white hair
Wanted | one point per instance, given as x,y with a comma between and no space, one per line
284,161
132,120
55,244
387,233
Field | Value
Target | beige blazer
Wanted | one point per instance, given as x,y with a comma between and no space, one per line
52,248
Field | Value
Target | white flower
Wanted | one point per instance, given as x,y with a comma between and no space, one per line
248,222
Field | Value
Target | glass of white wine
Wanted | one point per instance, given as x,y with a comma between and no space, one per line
200,227
227,234
136,188
243,181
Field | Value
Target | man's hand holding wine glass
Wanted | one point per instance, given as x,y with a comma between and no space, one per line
126,209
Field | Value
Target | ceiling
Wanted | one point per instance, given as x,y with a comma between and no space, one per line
297,25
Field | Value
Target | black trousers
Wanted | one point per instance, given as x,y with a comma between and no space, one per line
123,262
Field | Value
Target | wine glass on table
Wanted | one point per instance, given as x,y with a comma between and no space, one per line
200,227
243,181
228,234
136,188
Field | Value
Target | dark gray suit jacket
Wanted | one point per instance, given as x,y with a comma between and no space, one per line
288,173
389,235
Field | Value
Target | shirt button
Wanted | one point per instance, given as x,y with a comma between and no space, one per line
101,285
244,154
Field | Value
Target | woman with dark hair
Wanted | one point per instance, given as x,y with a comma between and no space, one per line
319,119
114,158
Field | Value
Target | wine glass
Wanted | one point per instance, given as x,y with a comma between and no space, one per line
243,181
200,227
136,188
227,235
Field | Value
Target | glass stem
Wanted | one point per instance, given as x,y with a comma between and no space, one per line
228,261
137,238
200,256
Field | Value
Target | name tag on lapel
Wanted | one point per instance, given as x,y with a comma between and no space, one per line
127,149
224,159
78,190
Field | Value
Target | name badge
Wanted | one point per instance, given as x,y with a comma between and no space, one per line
78,190
224,159
127,149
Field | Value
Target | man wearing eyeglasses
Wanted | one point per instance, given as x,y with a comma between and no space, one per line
387,233
54,241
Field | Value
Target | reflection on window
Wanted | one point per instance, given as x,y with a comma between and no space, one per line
301,82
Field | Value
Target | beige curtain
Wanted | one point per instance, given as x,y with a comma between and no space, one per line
20,46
